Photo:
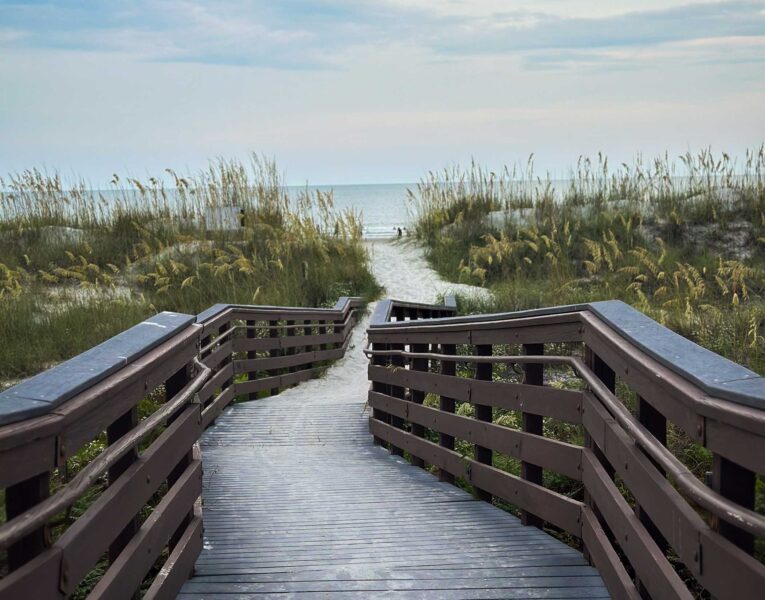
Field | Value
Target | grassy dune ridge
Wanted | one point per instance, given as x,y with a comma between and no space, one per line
683,241
77,267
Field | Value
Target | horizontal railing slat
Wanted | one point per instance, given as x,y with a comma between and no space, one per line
89,537
547,453
180,563
657,574
128,571
559,510
217,406
281,362
605,558
718,565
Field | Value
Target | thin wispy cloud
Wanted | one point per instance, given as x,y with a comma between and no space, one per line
300,34
377,90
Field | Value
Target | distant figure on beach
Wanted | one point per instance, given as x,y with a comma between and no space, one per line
399,231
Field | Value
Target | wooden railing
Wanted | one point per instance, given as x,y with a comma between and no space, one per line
129,522
570,416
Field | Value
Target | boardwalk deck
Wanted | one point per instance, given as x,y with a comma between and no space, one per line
300,504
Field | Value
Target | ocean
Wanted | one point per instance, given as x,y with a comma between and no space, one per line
383,207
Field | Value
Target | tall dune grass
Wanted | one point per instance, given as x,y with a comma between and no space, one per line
682,240
77,267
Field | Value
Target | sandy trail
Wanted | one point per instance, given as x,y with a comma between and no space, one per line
401,268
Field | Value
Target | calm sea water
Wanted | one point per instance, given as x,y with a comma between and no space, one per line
383,207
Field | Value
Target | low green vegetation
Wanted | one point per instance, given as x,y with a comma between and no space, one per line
77,267
682,241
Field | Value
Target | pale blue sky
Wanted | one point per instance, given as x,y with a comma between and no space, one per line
342,91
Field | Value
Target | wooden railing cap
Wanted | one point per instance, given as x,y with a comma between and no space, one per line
717,376
43,392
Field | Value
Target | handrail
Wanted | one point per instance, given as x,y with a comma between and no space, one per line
184,360
749,520
629,528
15,529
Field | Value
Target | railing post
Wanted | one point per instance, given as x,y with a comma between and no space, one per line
251,354
172,386
290,332
308,332
736,483
533,374
338,328
607,375
226,361
446,404
114,432
273,334
19,498
397,391
656,424
483,455
418,396
382,388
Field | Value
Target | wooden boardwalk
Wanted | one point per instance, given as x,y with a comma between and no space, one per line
298,503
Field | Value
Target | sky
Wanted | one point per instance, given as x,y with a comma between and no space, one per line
354,91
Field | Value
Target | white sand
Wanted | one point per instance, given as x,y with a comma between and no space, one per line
401,267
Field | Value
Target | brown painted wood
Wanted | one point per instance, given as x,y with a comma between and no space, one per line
418,396
115,431
605,558
564,405
559,510
87,538
174,385
170,515
737,484
483,412
447,404
39,578
719,566
304,359
251,355
18,499
397,364
557,456
659,579
532,423
180,564
274,350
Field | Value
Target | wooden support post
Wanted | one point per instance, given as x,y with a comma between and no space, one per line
338,328
396,391
273,333
308,332
223,329
19,498
323,331
607,375
251,354
533,374
122,426
290,332
446,404
656,424
382,388
483,455
736,483
172,386
418,396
